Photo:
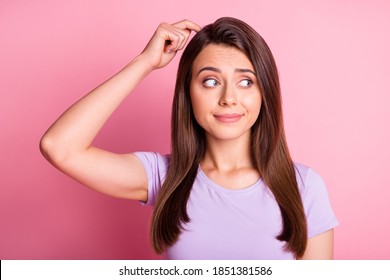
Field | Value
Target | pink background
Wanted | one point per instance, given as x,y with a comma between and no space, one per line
334,63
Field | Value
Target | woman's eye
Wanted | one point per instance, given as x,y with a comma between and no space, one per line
210,83
246,83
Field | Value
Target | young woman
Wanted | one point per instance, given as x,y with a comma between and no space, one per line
229,189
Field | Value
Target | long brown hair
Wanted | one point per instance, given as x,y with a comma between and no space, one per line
269,150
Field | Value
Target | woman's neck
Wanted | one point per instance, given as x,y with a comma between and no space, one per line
227,155
228,163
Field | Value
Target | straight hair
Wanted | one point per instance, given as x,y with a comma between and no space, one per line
269,151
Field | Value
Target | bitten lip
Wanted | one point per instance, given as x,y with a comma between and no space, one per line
228,118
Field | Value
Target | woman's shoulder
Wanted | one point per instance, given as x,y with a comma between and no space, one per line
316,202
156,167
153,158
308,179
155,164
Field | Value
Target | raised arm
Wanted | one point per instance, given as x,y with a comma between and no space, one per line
67,143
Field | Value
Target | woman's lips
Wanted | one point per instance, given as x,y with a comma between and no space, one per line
228,118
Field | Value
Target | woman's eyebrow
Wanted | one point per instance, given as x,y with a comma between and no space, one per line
208,68
244,70
214,69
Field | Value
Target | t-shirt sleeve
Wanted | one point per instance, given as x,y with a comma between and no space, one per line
156,166
319,212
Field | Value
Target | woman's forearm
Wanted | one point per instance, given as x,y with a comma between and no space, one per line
76,128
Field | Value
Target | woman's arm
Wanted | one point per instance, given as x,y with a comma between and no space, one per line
320,247
67,143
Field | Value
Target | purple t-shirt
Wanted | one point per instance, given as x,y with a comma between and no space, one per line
238,224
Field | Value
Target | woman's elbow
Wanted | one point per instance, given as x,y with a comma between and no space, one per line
52,150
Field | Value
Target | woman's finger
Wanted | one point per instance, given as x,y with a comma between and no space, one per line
167,40
173,40
176,35
179,39
187,24
183,36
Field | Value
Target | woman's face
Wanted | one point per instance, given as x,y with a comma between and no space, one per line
224,92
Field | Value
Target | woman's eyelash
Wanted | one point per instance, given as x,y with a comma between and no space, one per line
210,82
248,82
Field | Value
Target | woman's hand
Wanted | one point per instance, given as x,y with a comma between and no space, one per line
166,41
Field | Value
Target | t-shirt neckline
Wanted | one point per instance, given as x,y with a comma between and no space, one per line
202,176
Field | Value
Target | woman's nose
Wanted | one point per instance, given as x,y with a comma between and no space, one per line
229,96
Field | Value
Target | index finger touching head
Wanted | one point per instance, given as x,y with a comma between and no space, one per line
187,24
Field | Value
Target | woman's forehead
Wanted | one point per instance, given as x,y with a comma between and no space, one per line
220,56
